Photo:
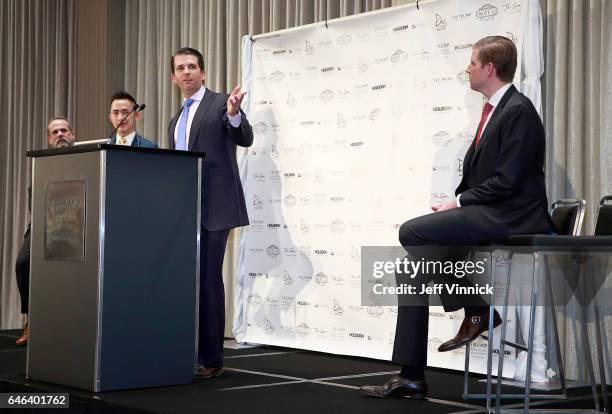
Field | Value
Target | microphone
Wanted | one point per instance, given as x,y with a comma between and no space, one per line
137,108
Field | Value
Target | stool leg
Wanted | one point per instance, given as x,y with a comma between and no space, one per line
553,318
490,339
502,343
587,354
600,354
536,265
466,372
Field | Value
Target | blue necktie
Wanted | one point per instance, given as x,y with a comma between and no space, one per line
181,139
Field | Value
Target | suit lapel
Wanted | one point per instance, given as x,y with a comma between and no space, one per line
135,141
173,122
492,124
203,108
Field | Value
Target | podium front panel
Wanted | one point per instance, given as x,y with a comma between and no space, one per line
65,261
114,269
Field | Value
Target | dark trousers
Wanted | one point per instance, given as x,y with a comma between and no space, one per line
212,298
445,228
22,272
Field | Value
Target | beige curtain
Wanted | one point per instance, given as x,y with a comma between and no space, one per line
578,121
578,101
37,71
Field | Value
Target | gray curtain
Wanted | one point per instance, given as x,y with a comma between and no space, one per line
37,72
578,103
578,121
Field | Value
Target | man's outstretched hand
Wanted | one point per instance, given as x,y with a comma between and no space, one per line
234,101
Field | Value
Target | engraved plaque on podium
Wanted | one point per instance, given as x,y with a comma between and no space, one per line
65,221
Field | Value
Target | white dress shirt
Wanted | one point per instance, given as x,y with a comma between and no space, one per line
128,140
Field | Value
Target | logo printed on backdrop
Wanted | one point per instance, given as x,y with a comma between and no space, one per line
459,169
290,200
268,327
303,329
287,279
375,311
441,139
326,96
276,76
338,309
337,226
254,299
446,108
273,251
463,78
308,48
399,56
257,202
440,23
487,12
433,344
402,28
439,197
374,114
260,127
321,279
464,46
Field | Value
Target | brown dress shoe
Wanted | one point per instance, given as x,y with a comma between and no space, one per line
397,387
23,339
204,373
470,329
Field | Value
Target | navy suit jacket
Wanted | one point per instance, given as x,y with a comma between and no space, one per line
137,142
223,204
503,178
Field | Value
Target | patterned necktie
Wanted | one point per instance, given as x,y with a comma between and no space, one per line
122,141
181,139
486,110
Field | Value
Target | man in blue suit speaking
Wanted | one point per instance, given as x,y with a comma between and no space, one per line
212,123
123,115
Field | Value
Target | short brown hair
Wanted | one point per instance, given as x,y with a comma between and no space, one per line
501,52
188,51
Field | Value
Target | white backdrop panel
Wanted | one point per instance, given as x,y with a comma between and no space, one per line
358,126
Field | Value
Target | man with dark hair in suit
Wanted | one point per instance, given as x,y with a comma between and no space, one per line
59,135
502,193
123,115
212,123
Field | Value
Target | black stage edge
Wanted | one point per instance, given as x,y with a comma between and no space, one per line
266,380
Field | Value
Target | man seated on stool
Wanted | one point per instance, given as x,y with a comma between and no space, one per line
59,135
123,115
502,193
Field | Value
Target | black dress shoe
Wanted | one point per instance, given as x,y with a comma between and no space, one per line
397,387
470,329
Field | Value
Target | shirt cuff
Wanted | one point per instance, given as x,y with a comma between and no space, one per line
458,202
234,120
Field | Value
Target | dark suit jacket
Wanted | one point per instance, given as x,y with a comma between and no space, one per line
223,205
137,142
504,175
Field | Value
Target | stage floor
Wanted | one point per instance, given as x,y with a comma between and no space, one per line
270,380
